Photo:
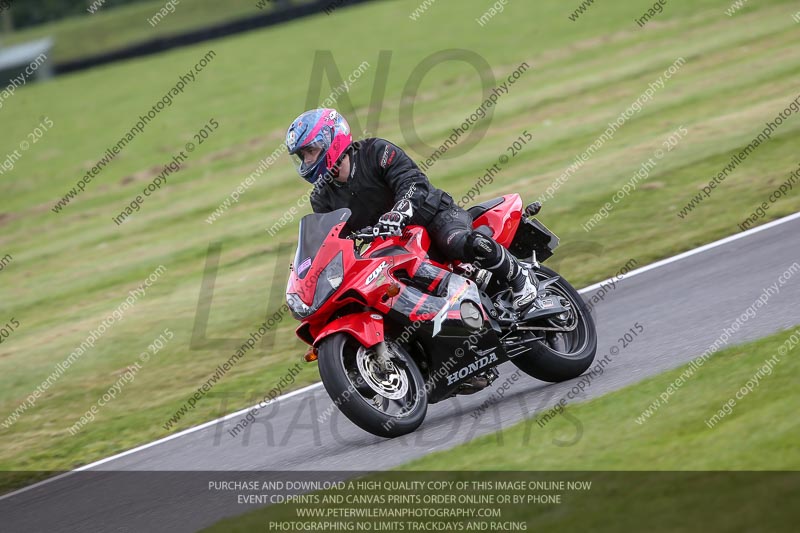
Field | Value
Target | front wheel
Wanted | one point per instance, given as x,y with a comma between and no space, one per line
386,399
561,355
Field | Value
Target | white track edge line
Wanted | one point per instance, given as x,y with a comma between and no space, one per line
697,250
590,288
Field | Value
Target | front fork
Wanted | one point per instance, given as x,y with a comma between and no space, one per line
383,356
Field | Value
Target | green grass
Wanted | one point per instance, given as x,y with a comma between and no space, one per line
71,270
111,29
680,486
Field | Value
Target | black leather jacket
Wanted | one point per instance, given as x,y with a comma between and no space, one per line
381,174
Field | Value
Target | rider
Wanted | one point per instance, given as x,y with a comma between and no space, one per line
382,186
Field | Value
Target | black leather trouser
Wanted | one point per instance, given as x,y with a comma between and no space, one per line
452,234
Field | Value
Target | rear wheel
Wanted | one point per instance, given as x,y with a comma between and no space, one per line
561,355
387,400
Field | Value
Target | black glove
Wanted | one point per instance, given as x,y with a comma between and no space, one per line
391,222
396,219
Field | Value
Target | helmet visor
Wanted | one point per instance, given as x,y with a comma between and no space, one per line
309,156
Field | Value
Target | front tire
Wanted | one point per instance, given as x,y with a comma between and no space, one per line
385,402
562,356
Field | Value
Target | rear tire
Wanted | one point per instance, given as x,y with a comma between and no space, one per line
390,414
563,356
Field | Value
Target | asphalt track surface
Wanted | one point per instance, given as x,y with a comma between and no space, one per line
683,303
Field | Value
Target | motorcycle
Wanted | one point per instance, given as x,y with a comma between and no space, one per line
394,328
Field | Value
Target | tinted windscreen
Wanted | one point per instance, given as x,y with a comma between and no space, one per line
313,230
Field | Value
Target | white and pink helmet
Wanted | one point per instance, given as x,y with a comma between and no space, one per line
324,128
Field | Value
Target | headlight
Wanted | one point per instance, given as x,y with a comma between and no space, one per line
298,308
333,275
329,280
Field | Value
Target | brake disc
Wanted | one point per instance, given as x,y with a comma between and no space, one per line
390,382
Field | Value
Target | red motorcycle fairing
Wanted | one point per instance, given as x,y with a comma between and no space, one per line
365,284
305,287
503,219
365,327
